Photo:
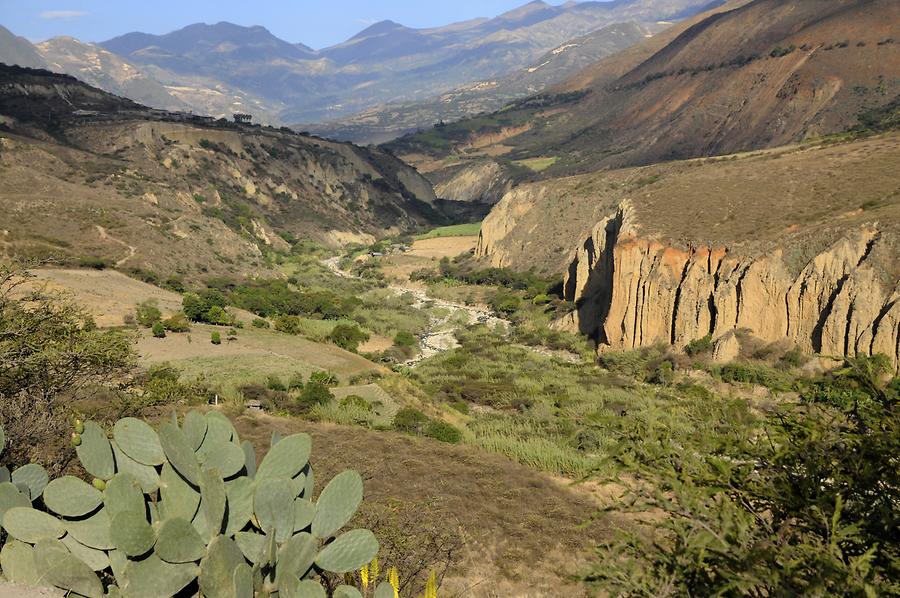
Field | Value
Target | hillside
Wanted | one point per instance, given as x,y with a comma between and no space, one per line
170,192
797,243
763,74
383,123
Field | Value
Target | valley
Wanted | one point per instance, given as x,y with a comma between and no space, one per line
612,310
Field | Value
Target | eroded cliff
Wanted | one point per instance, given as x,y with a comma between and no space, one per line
801,244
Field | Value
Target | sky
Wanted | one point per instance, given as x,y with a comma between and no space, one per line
316,23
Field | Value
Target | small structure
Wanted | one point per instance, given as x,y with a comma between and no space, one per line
376,254
86,113
253,405
242,119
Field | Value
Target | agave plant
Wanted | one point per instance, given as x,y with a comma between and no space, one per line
186,505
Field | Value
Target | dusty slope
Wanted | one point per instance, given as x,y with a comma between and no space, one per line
140,189
798,243
764,74
521,530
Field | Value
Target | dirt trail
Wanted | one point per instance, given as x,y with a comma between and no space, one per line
107,237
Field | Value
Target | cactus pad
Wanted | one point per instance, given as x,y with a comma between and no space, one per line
93,531
243,581
97,560
251,545
212,502
95,452
218,427
178,542
249,458
30,525
123,493
64,570
131,533
154,578
11,497
177,497
180,453
240,504
217,568
194,428
351,592
349,552
285,459
225,456
17,562
384,590
273,504
304,513
296,557
70,497
337,503
145,474
308,589
139,441
31,476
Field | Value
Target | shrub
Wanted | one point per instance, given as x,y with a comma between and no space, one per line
323,377
219,316
699,346
159,331
411,421
147,314
177,323
97,263
314,393
215,338
405,339
273,382
261,323
347,337
356,401
441,430
296,381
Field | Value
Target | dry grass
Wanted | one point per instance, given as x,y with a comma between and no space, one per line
523,531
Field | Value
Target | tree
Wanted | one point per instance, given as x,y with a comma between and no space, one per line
215,338
51,356
347,336
314,393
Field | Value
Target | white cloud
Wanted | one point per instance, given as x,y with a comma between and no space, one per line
63,14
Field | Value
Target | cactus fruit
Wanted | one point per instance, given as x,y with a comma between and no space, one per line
76,439
70,497
337,504
185,504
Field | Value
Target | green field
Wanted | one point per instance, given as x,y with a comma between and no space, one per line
456,230
537,164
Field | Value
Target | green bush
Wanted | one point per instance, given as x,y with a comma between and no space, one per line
215,338
441,430
405,339
296,382
699,346
753,373
323,377
159,331
177,323
356,401
147,313
347,337
260,323
273,382
411,421
314,393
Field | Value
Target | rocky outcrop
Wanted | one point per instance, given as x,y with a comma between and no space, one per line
633,291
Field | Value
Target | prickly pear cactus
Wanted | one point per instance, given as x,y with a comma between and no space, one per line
184,507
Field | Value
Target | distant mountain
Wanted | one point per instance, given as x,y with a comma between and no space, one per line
18,50
224,67
383,123
766,73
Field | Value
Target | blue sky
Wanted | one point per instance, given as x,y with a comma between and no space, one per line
317,23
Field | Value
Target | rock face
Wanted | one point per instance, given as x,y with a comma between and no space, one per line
634,292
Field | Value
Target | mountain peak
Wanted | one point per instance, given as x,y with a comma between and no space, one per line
379,28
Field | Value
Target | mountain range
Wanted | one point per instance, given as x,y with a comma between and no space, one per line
220,68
